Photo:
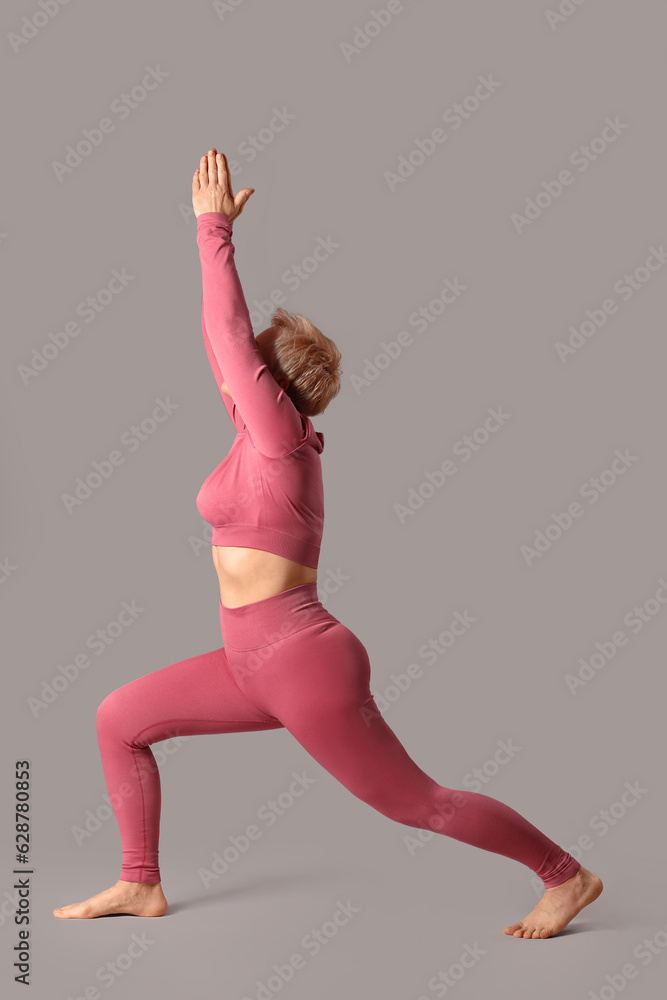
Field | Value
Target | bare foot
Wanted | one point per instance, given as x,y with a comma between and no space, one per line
143,899
558,906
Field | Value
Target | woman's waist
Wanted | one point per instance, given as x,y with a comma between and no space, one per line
247,574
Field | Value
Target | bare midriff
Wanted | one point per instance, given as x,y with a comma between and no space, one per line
248,575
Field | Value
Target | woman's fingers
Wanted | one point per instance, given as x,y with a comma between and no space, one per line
212,167
224,175
213,171
203,171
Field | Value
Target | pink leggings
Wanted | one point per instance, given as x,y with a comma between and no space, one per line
287,662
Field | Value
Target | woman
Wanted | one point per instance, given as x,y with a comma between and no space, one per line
286,661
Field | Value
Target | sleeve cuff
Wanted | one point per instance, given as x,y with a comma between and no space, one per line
214,218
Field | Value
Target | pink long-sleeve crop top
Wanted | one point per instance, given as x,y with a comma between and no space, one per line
267,493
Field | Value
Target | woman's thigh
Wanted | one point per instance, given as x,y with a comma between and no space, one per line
194,696
317,682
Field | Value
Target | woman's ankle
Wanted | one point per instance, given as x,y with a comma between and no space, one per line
132,882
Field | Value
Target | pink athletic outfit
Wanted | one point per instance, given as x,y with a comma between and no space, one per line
286,661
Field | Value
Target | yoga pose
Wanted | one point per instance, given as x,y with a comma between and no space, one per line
286,661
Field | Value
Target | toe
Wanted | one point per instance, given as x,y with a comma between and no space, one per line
544,933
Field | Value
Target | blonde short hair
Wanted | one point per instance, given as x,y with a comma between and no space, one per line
310,361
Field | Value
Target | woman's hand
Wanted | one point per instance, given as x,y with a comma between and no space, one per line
212,187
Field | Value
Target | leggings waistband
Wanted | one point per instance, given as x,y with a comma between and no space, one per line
261,623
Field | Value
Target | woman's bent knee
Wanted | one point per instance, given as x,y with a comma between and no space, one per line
110,712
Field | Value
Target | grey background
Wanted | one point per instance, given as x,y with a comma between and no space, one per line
128,205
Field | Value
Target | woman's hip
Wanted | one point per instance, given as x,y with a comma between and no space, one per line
264,622
288,653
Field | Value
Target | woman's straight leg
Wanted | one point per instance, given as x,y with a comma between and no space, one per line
316,682
195,696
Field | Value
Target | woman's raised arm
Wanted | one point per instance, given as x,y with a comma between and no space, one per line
230,405
272,420
257,402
